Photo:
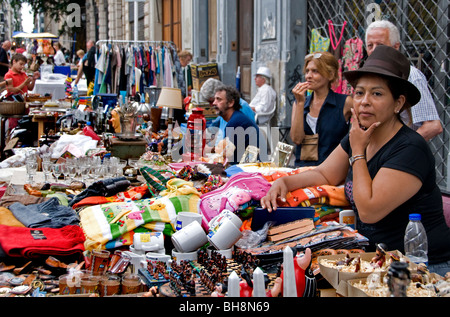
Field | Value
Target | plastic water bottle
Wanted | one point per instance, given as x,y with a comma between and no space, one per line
416,242
75,92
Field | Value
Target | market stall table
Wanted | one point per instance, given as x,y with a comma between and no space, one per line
3,118
41,120
56,87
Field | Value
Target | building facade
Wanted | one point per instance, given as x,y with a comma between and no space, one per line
247,34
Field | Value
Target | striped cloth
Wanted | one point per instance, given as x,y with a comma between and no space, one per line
112,224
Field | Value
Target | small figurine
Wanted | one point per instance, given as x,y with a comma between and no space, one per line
219,290
380,257
246,285
398,279
373,281
305,280
190,286
277,288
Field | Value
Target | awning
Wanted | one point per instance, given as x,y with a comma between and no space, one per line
44,35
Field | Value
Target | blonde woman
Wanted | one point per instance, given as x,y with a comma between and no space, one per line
321,120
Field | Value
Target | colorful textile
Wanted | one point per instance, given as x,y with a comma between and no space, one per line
108,222
325,194
353,55
238,191
154,178
32,243
318,42
7,218
134,193
176,187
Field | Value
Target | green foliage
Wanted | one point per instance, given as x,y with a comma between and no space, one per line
56,10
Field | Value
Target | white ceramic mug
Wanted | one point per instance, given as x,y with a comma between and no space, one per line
184,218
151,259
150,241
156,257
228,253
224,236
189,238
181,256
225,215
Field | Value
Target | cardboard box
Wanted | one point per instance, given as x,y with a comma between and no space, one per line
335,276
207,70
203,72
197,83
208,110
352,289
197,97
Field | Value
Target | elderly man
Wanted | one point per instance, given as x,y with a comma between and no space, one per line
4,59
423,117
265,99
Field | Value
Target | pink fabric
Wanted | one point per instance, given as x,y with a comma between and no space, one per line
2,191
240,189
446,203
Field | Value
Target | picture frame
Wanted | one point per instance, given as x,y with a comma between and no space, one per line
282,154
250,155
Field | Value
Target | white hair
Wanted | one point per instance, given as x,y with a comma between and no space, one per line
208,89
394,34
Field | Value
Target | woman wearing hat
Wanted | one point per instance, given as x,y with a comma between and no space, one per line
321,120
388,169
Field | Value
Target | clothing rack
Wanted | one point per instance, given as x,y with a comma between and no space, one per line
122,79
134,42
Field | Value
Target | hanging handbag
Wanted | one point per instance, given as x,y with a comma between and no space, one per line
310,148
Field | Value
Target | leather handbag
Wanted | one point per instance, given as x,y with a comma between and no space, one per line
310,148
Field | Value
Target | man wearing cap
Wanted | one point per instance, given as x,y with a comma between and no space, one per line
423,117
266,97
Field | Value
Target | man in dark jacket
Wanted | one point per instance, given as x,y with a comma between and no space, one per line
4,59
88,64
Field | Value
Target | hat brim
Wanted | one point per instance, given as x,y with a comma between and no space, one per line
413,95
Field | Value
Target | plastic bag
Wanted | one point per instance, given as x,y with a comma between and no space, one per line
251,239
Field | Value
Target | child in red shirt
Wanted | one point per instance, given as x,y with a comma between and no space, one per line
21,81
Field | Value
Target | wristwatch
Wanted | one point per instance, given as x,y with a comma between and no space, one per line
353,159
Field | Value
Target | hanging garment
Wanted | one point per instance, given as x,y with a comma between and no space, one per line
318,43
131,68
337,51
353,55
333,39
